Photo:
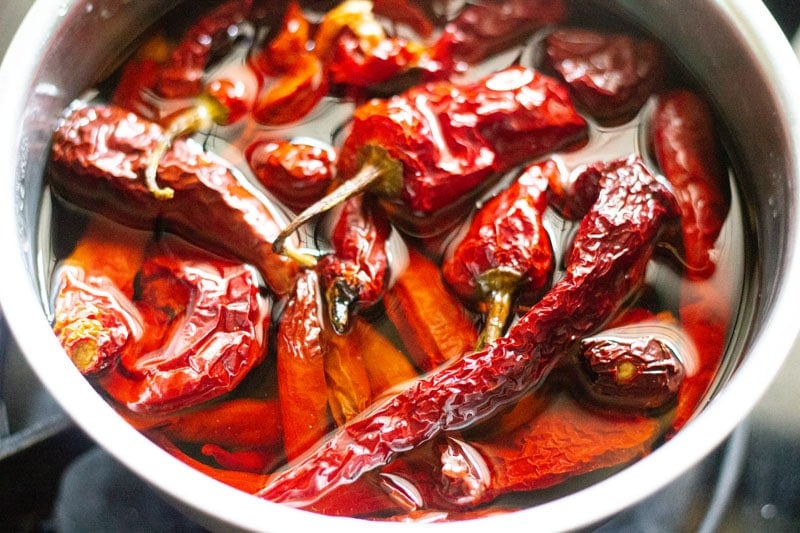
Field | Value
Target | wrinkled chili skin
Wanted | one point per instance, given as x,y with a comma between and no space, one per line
216,335
297,174
450,137
614,243
359,259
182,75
98,159
484,28
506,233
612,75
687,150
301,367
641,372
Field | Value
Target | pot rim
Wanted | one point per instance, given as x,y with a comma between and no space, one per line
201,495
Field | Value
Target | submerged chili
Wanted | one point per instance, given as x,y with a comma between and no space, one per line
614,243
437,144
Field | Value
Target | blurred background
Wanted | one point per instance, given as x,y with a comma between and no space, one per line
52,477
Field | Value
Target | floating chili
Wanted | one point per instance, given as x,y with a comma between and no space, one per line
687,150
505,251
637,365
432,323
614,243
94,318
296,172
354,275
484,28
215,335
437,144
98,158
302,387
611,75
293,78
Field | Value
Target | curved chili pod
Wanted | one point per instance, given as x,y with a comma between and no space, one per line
354,275
687,150
505,251
99,155
614,243
93,316
297,173
234,423
302,387
561,442
432,323
436,145
213,334
612,75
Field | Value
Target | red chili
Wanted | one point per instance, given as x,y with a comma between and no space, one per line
612,75
505,251
485,28
99,155
297,173
302,388
436,145
561,442
354,276
293,77
687,150
182,75
637,365
432,323
94,318
614,243
213,334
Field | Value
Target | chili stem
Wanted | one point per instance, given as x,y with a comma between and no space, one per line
378,169
499,285
206,112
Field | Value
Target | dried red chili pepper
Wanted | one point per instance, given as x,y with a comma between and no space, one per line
94,318
386,366
235,423
301,368
506,251
216,330
612,75
560,442
293,77
348,385
686,148
182,75
614,243
296,172
432,323
140,74
637,365
354,276
706,311
98,158
484,28
437,144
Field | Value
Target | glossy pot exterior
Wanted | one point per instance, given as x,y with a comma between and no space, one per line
733,47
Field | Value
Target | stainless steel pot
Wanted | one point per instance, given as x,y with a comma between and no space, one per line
733,46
